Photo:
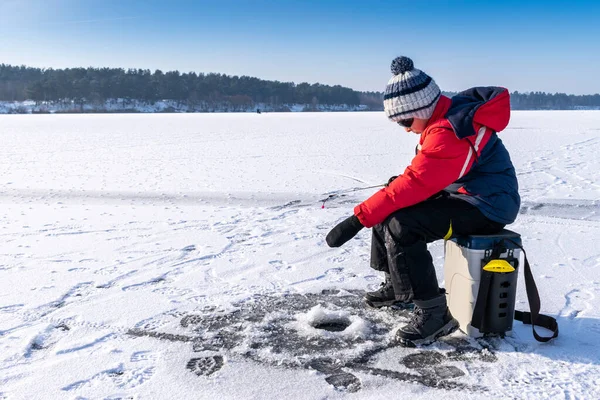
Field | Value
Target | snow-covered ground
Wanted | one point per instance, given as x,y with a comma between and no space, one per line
183,256
169,106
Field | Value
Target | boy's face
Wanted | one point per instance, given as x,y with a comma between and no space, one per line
418,126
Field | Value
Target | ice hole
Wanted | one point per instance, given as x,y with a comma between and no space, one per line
332,325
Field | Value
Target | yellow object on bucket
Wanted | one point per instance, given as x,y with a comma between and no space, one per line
498,266
449,234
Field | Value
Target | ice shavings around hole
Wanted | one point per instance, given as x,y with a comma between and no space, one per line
306,323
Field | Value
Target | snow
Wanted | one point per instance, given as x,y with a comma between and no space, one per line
167,256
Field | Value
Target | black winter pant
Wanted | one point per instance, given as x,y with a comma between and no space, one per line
399,244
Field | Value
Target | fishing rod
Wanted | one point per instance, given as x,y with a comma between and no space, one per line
342,192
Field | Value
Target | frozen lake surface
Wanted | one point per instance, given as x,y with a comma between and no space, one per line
170,256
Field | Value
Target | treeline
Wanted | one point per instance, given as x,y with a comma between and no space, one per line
556,101
550,101
97,85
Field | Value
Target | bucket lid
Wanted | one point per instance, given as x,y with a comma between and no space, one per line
482,242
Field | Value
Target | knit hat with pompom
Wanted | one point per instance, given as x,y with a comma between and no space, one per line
410,93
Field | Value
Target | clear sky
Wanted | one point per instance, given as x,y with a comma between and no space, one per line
551,46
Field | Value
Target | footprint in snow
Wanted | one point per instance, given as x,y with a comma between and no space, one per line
143,356
344,381
576,302
205,366
129,379
46,339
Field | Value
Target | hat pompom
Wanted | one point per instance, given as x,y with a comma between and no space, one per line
401,65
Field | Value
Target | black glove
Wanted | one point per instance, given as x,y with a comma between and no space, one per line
391,180
344,231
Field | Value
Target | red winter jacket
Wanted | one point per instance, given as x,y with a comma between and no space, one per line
445,160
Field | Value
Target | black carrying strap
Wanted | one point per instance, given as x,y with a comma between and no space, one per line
533,297
483,294
533,318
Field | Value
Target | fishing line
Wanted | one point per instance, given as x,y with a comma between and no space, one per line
341,192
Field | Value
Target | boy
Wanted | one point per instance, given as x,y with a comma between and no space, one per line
461,181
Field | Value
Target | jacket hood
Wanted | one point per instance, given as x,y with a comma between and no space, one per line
488,106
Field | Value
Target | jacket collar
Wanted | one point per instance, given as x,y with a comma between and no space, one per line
441,108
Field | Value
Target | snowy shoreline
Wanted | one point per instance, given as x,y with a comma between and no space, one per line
124,106
163,106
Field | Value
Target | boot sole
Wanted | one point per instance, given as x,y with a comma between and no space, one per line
389,303
447,329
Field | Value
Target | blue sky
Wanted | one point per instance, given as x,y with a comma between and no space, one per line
548,46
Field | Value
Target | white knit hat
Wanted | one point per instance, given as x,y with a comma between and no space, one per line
410,93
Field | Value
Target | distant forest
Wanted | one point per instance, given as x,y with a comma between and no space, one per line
97,85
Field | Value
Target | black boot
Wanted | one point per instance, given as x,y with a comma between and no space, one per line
385,296
431,319
382,297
